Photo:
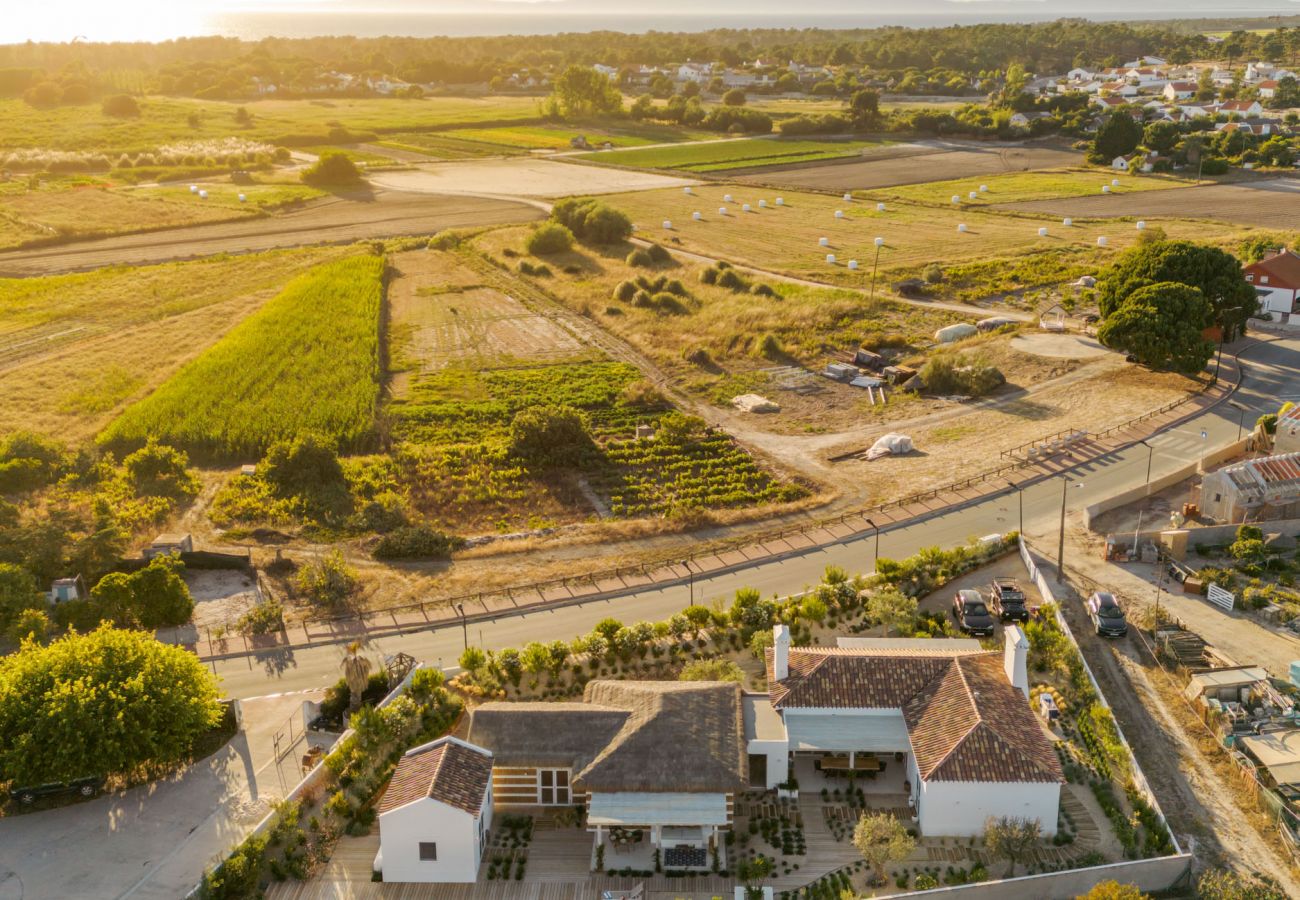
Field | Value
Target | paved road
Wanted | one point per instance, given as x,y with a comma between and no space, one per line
1272,374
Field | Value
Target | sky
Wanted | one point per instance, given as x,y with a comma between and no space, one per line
125,20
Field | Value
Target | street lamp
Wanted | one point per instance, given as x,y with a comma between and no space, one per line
1066,481
1241,419
875,558
1223,334
880,242
1151,452
464,623
1019,490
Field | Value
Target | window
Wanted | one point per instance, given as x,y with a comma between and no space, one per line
428,851
1263,279
1250,277
553,787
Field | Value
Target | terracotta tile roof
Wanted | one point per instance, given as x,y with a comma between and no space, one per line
965,720
1282,269
446,770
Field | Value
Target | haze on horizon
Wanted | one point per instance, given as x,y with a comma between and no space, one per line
154,20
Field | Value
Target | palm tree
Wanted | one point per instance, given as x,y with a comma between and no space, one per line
356,672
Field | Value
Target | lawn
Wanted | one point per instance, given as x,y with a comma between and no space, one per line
167,120
74,349
306,361
786,238
721,155
512,140
1020,186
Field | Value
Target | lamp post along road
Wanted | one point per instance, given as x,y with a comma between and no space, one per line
1021,493
1060,547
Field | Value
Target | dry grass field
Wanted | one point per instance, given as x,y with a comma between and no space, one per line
441,314
721,343
786,238
1271,204
915,164
1022,186
76,349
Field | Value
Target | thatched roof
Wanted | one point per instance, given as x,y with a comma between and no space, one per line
641,736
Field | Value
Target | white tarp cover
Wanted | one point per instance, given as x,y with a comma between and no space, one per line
643,809
950,333
890,443
754,403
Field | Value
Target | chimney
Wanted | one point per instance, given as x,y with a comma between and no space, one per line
780,652
1014,658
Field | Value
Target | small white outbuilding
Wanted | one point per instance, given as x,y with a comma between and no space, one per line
436,813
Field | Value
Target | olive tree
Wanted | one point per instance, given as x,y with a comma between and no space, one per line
1012,838
882,839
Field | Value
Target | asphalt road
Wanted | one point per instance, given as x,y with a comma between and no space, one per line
1272,375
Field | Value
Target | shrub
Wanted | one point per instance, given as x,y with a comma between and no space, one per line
606,225
625,291
327,581
641,298
639,258
732,280
933,273
763,290
548,238
549,435
264,618
658,254
770,347
710,276
332,170
666,302
957,373
417,542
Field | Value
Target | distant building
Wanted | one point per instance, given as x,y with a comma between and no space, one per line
65,589
1254,490
1276,280
169,542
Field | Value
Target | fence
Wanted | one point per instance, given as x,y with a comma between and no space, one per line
1139,779
312,781
1147,874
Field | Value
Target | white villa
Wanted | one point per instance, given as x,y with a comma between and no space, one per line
938,727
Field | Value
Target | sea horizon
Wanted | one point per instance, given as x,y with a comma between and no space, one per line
253,26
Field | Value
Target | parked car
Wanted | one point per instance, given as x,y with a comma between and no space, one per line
1107,615
86,787
972,616
1008,601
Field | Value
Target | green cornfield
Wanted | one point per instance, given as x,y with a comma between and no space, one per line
307,361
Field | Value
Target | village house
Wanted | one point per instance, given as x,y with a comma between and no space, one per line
1241,107
1179,90
1287,437
941,727
1276,280
1254,490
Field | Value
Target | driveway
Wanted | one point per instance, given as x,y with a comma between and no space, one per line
153,841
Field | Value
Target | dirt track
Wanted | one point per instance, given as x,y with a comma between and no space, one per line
1274,203
928,163
336,220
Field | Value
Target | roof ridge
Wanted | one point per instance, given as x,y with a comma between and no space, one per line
438,764
966,692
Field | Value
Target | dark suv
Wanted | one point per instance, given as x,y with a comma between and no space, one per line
1008,601
1106,614
972,615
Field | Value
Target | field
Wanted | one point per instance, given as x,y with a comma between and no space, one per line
786,239
307,361
167,120
75,349
461,143
718,156
1272,204
720,343
915,164
452,411
1024,186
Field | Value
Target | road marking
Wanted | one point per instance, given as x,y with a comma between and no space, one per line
281,694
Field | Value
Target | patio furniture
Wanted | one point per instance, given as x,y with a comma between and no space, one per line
860,764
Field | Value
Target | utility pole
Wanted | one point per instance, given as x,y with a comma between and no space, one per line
880,242
1060,547
464,623
1021,493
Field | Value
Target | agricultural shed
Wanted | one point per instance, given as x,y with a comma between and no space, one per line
1278,753
1225,685
955,332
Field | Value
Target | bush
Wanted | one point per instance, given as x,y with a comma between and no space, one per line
659,255
548,238
328,581
957,373
710,276
606,225
639,258
625,291
550,435
332,170
763,290
732,280
933,273
417,542
120,106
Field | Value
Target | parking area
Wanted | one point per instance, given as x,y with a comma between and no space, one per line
981,580
153,841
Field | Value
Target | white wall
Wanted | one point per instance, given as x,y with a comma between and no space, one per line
454,831
1274,299
778,759
958,808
